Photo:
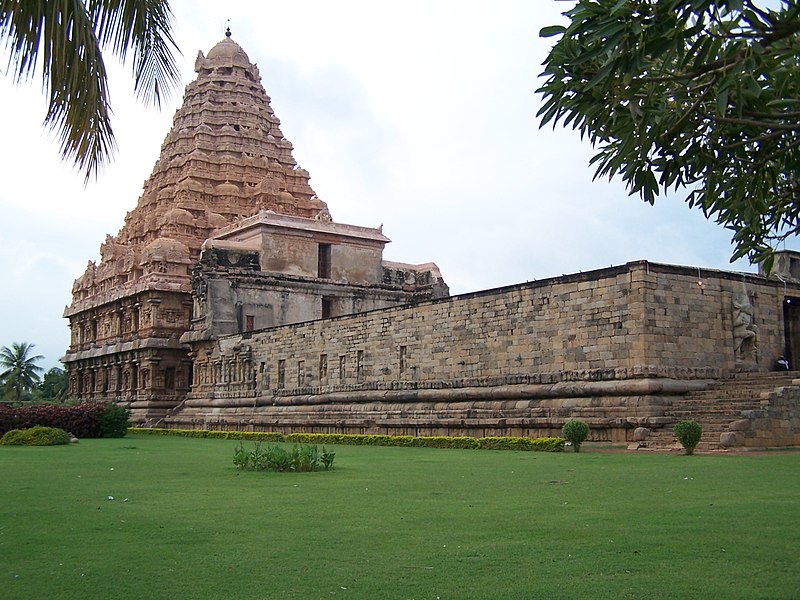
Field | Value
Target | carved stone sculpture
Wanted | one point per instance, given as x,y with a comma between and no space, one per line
745,332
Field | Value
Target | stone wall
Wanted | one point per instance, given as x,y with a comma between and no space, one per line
519,359
775,424
689,317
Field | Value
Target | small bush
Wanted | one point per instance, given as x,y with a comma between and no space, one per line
548,444
304,458
688,433
35,436
576,432
114,421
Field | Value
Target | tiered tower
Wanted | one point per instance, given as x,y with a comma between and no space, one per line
224,159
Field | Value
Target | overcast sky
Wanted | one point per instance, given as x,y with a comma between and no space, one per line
416,115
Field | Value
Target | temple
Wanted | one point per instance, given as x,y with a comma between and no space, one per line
225,199
231,299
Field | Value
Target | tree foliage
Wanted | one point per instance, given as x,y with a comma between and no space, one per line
688,93
20,373
54,385
65,38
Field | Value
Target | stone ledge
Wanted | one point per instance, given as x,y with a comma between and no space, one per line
563,391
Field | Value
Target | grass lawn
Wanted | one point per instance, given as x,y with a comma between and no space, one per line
394,523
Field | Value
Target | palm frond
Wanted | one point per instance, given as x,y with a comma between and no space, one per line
67,37
146,27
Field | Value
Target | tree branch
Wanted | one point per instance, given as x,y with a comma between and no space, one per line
760,115
754,123
724,63
790,147
761,138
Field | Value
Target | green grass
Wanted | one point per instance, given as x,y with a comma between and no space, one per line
394,523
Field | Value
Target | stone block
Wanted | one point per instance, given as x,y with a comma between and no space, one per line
741,425
731,439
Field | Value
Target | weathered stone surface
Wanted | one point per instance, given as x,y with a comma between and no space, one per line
478,362
740,425
731,439
640,434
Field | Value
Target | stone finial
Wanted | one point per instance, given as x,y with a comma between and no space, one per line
324,215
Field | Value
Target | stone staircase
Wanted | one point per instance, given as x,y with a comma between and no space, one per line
716,407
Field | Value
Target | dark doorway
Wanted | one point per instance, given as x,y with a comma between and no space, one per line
327,307
791,330
324,261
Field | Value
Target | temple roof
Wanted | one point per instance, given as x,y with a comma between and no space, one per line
224,159
228,53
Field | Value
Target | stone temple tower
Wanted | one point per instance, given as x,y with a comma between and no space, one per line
225,169
224,159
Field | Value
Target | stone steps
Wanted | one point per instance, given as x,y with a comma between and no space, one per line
716,407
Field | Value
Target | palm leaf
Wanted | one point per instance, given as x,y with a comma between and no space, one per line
65,37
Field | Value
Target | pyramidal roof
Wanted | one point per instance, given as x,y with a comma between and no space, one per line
224,159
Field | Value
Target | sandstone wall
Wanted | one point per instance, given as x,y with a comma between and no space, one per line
689,317
608,346
632,321
578,323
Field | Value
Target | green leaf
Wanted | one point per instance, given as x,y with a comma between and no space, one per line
551,30
722,102
618,6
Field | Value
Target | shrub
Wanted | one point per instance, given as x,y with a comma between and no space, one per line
408,441
84,420
548,444
35,436
688,433
545,444
114,421
576,432
304,458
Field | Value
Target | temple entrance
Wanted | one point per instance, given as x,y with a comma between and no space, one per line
791,330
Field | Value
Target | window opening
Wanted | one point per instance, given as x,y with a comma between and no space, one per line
327,308
324,262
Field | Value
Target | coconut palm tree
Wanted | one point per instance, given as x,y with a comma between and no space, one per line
20,373
64,38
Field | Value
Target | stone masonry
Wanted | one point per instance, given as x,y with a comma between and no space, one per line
613,346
